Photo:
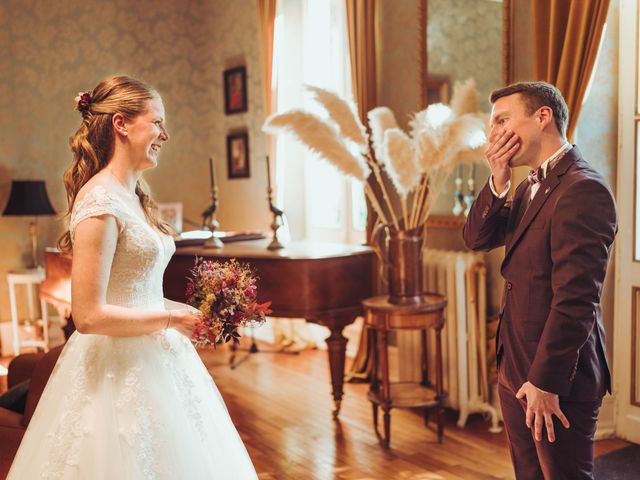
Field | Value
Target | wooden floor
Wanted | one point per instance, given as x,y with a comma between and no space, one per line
281,406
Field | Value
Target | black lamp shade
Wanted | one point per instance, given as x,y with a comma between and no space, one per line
28,197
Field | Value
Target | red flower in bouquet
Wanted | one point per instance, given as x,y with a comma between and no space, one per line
226,294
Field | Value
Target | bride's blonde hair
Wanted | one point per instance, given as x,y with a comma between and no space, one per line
93,143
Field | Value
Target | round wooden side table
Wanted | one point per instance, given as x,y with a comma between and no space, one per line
383,317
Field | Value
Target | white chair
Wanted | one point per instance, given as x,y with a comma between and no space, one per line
29,278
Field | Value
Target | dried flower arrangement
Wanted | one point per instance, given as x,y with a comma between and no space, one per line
417,163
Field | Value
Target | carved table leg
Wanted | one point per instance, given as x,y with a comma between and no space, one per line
383,355
337,346
375,382
387,427
374,405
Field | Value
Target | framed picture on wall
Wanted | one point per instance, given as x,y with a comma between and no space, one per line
235,90
238,155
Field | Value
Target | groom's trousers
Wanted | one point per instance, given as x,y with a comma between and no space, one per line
570,457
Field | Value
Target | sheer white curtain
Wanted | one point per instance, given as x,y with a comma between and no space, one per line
311,47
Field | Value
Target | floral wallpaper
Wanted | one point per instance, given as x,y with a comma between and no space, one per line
49,52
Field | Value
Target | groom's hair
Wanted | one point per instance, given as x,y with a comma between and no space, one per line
536,95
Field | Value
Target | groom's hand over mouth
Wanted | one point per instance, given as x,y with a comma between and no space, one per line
498,155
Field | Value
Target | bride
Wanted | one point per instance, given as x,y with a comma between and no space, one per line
129,397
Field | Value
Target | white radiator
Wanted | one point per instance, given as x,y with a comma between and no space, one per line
461,277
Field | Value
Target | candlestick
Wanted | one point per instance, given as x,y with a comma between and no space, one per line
209,215
277,221
268,174
211,173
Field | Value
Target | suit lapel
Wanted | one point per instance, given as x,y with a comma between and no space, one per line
547,186
522,204
518,207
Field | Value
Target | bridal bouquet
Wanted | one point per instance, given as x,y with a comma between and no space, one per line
402,172
225,293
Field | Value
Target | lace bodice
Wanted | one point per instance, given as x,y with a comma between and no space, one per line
142,252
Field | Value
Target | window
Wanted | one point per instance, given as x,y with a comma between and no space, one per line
311,47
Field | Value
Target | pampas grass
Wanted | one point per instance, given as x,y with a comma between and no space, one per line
399,157
434,121
417,164
427,151
380,120
463,134
343,114
321,138
465,97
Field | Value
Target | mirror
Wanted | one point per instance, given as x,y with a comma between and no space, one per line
465,38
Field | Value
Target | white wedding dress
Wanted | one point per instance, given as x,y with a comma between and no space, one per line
140,407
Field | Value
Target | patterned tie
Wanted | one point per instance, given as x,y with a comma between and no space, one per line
524,204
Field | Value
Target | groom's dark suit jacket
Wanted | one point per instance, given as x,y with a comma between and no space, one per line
557,250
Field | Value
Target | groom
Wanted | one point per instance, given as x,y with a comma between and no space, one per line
558,231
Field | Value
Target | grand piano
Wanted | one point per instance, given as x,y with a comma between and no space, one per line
324,283
321,282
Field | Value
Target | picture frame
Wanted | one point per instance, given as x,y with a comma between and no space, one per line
238,155
171,212
235,90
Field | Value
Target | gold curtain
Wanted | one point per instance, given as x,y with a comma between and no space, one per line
267,16
566,38
361,26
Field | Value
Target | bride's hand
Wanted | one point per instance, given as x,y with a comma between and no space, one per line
184,320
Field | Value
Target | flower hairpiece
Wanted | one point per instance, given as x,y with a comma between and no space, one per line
83,100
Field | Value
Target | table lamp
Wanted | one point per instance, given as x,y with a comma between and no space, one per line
29,198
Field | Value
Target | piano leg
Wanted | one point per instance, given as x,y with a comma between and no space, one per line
337,347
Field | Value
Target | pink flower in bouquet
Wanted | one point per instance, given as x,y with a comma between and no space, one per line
226,294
